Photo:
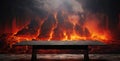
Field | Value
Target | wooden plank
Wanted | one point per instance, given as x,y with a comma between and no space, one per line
54,42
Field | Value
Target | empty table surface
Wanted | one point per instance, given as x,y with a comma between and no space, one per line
57,42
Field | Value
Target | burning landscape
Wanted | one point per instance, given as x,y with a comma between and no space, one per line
59,20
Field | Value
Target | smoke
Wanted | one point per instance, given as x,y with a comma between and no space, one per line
56,5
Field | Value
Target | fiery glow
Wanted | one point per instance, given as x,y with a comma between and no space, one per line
61,25
64,27
65,20
59,20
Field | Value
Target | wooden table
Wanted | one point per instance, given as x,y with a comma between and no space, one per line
55,44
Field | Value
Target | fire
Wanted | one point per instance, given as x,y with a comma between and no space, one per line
73,19
94,29
63,21
72,27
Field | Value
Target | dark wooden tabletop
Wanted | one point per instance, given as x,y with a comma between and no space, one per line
57,42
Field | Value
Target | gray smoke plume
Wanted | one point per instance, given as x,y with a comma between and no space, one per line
56,5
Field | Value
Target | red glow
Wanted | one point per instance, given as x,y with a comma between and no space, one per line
70,29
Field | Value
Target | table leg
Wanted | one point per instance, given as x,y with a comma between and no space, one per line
34,56
86,54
